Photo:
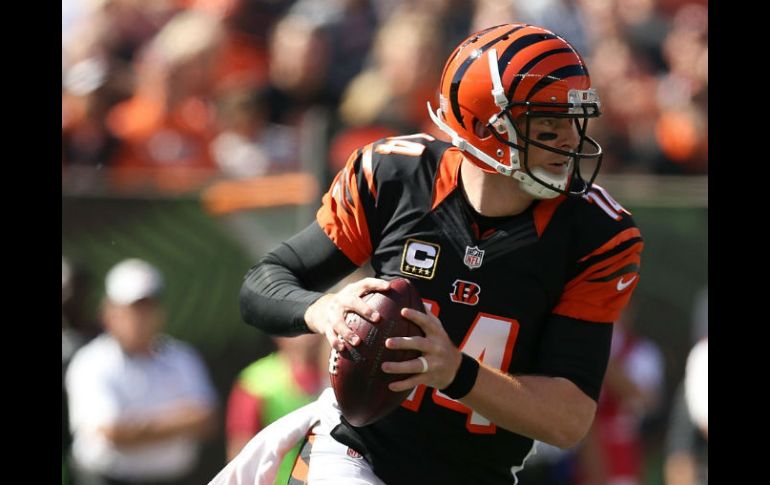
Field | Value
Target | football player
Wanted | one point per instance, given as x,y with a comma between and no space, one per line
522,261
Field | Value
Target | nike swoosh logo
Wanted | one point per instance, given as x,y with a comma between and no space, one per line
622,285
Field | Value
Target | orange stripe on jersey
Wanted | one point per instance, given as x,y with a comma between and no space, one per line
447,176
544,211
299,471
366,167
600,293
607,266
342,216
629,233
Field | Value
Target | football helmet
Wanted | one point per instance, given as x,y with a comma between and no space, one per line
513,73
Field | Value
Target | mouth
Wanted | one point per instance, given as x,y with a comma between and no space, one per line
557,168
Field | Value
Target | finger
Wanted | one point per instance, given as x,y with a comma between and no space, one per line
334,340
345,333
413,366
408,343
367,285
359,306
427,322
406,384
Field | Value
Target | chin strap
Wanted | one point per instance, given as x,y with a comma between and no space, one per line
536,189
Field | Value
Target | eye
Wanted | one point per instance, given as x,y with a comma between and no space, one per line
547,136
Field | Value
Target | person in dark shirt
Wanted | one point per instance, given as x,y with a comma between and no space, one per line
522,262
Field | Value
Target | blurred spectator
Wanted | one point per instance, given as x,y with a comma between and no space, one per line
390,96
696,385
489,12
170,120
244,57
564,17
76,330
140,79
682,128
394,90
349,26
88,93
300,53
273,386
248,144
686,448
629,120
100,40
644,27
613,452
110,29
140,402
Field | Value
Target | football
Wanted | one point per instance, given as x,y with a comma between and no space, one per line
360,385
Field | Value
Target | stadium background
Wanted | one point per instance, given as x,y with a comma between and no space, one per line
204,223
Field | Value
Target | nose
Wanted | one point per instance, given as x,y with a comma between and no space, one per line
569,137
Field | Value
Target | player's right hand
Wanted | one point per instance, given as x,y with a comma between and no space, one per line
327,314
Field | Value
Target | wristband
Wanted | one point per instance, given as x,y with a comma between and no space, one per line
464,379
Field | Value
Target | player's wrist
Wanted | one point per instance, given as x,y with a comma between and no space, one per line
311,314
464,379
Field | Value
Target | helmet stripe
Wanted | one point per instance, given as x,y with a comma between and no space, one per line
458,77
460,47
518,45
557,75
528,66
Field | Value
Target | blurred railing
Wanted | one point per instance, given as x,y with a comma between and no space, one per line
657,190
221,194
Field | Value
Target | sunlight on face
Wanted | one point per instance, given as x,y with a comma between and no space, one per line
560,133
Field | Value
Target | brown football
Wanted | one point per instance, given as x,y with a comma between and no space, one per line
360,385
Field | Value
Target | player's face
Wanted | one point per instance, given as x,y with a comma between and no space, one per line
559,133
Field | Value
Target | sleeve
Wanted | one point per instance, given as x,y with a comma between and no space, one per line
603,280
348,208
577,350
278,290
92,401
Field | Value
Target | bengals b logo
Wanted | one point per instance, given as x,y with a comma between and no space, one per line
465,292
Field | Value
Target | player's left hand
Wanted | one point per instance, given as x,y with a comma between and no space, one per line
442,356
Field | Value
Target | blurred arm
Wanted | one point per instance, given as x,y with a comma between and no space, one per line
188,419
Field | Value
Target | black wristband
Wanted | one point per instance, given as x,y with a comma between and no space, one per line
464,379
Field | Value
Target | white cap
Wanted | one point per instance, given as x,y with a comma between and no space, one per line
131,280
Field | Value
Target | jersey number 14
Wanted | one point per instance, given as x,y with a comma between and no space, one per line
490,339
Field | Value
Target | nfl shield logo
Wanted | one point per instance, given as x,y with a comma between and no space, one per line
473,257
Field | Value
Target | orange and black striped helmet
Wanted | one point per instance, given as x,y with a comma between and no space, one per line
511,73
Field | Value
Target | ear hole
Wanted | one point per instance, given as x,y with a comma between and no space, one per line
480,129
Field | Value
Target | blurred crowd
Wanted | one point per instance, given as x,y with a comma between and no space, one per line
183,91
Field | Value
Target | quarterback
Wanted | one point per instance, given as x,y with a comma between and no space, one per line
522,261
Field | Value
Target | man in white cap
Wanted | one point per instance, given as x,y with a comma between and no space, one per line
140,402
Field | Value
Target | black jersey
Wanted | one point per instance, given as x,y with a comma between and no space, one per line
497,290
